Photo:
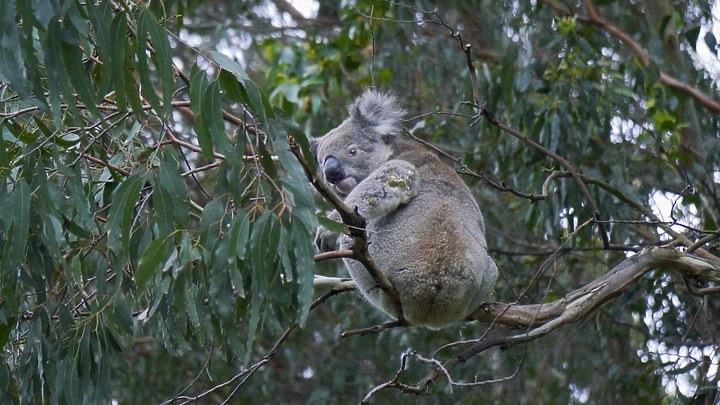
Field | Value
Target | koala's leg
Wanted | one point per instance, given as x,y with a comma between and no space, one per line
394,183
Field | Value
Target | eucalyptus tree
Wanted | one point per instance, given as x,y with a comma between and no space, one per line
160,202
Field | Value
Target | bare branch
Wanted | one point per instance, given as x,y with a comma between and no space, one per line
372,329
684,240
582,301
463,169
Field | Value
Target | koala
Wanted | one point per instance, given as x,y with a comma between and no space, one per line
425,230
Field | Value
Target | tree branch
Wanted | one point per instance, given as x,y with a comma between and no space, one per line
541,319
582,301
684,240
463,169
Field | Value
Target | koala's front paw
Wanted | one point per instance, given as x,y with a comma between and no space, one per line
325,239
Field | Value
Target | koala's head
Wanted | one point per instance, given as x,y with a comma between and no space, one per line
349,153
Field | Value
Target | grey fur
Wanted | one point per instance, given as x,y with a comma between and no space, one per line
425,229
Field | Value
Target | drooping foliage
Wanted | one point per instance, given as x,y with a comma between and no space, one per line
157,237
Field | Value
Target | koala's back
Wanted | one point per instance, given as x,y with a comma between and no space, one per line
433,246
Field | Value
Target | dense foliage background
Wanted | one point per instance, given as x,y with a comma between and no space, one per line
156,242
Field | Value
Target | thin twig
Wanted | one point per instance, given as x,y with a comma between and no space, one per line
372,329
463,169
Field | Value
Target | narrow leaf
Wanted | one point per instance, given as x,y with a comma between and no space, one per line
121,211
118,32
163,56
198,86
304,268
228,64
144,20
11,66
163,203
239,233
154,256
18,233
212,111
75,70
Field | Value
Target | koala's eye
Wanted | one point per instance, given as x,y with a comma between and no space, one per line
352,152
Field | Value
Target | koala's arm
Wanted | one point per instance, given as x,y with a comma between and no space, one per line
394,183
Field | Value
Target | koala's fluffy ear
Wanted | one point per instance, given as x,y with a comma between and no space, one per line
314,142
377,111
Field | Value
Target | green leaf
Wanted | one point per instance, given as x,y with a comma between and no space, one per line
238,237
211,226
85,357
34,76
257,102
232,87
169,197
198,86
51,223
212,111
332,225
304,268
17,234
144,23
4,159
118,33
235,91
99,15
132,88
11,68
292,128
190,298
154,256
57,80
554,131
121,211
75,71
163,55
5,330
262,245
163,203
228,64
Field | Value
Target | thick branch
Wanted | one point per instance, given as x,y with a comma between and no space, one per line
576,304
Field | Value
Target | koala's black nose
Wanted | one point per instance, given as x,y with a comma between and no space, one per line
333,170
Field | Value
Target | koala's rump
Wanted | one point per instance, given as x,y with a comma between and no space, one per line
435,257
